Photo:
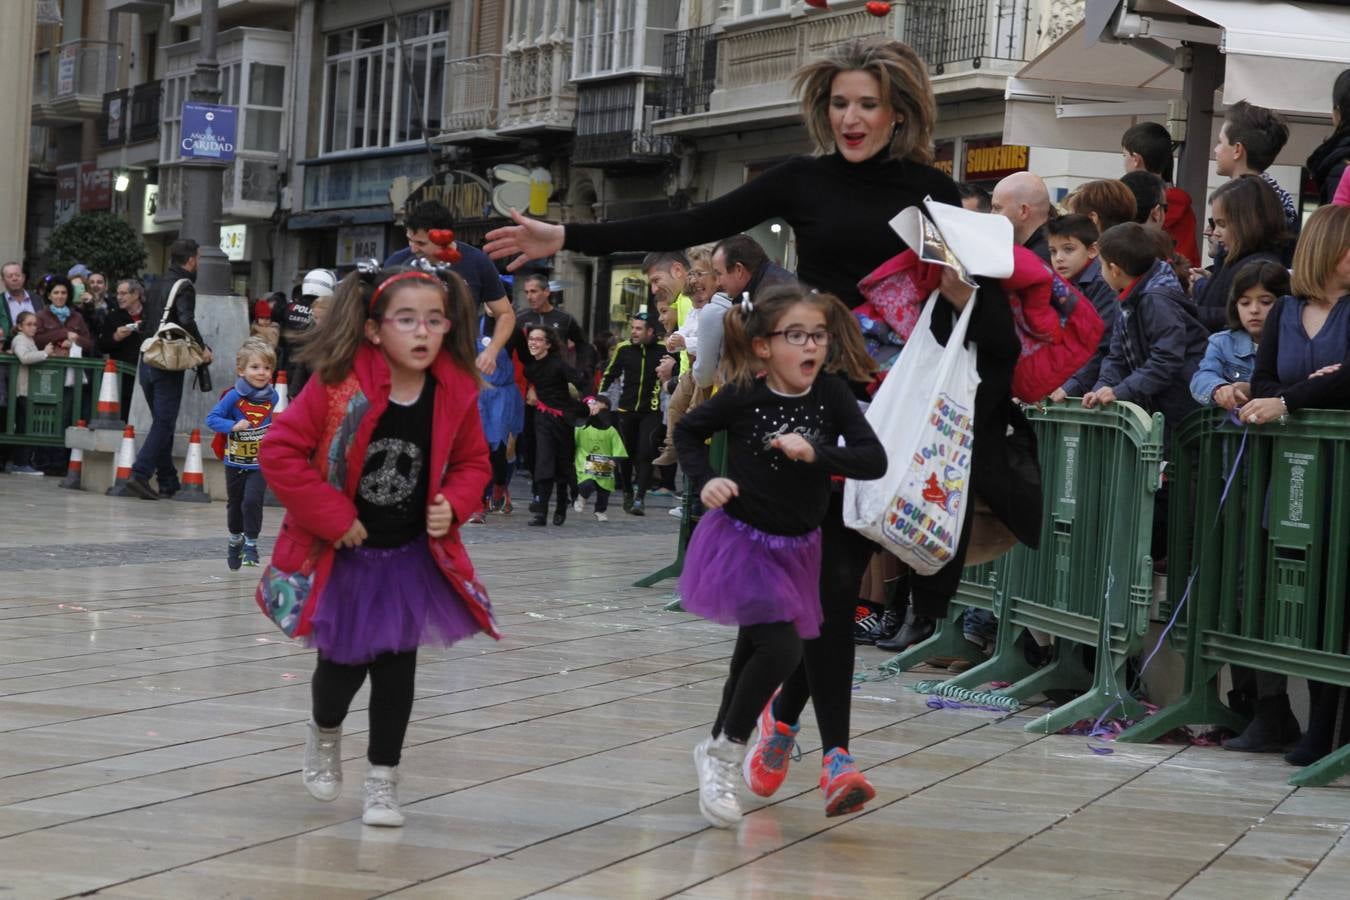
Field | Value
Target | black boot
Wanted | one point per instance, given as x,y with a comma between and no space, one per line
915,629
560,514
1272,729
1323,702
540,509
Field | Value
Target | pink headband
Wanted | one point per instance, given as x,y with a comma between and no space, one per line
403,276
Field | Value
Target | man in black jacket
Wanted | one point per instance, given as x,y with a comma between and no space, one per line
639,407
123,332
163,389
741,266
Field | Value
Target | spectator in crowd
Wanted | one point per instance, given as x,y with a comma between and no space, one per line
701,284
974,197
163,389
18,299
94,304
1225,374
60,323
478,272
1073,255
296,318
1300,364
123,333
1107,202
741,266
26,349
667,273
1023,198
1327,164
263,327
1250,224
1249,141
1147,147
1150,197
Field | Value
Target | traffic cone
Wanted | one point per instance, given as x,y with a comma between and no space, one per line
109,412
123,459
73,470
194,484
283,394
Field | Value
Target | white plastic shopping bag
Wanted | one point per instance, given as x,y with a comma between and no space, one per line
76,352
924,415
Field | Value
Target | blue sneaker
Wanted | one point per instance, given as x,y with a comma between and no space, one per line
251,554
846,789
766,765
234,554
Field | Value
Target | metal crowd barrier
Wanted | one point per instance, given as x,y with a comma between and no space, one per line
51,405
1269,590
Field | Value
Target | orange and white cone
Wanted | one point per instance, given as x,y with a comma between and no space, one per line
283,394
123,460
76,466
109,412
194,481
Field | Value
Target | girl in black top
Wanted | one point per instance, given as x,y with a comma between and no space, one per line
554,410
754,560
876,155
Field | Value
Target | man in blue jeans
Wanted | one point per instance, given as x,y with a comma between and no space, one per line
163,389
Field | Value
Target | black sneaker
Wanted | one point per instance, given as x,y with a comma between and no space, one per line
234,555
139,487
866,620
166,493
636,508
627,500
251,554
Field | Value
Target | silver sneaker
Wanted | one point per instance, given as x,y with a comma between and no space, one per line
601,517
579,505
718,762
323,762
381,802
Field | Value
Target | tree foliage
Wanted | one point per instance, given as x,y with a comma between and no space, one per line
101,241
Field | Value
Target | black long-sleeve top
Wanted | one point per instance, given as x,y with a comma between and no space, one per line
636,364
550,377
779,495
838,211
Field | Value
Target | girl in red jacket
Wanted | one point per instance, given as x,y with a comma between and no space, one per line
377,461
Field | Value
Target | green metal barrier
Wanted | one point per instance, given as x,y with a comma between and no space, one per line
718,456
1270,585
1090,583
50,408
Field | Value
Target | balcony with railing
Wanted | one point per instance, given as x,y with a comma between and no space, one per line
472,96
539,93
68,81
614,126
689,66
231,12
970,43
131,115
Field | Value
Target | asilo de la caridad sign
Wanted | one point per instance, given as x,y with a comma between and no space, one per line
208,131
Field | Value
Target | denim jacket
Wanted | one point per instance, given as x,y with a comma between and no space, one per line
1230,357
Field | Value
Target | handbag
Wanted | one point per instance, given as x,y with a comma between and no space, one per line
924,414
171,348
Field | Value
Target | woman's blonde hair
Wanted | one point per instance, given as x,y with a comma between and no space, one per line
1321,247
905,88
741,325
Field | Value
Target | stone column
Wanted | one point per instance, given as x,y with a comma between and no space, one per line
18,42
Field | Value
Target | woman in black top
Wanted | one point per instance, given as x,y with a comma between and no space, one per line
1328,162
555,409
876,150
1249,221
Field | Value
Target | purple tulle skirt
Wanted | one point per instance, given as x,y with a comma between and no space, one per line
387,599
735,574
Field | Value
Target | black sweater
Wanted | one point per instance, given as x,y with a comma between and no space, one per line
838,211
778,495
551,377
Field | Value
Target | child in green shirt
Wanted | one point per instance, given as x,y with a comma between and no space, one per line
599,448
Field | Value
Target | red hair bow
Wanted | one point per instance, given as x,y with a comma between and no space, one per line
445,239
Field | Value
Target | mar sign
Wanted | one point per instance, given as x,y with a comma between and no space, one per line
208,131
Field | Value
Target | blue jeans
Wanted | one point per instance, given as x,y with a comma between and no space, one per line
164,394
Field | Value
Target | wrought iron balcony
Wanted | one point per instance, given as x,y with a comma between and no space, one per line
955,34
614,125
131,115
689,65
472,94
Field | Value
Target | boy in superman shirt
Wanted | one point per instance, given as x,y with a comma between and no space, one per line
242,417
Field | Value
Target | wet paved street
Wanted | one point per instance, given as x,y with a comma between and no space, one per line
151,725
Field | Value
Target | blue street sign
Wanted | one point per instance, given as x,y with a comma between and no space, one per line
208,131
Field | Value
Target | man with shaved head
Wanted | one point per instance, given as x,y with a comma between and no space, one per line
1022,197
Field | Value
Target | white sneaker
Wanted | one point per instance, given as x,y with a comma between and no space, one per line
323,762
381,798
718,762
579,505
602,517
677,512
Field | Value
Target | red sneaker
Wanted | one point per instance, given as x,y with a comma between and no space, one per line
846,789
766,764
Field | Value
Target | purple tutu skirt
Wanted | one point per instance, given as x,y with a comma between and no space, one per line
387,600
735,574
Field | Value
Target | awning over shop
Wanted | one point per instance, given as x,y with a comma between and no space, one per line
336,218
1081,94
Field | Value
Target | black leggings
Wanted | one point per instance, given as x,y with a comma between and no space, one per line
764,656
501,469
391,700
826,671
589,487
638,431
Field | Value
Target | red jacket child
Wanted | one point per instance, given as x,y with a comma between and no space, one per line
312,460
